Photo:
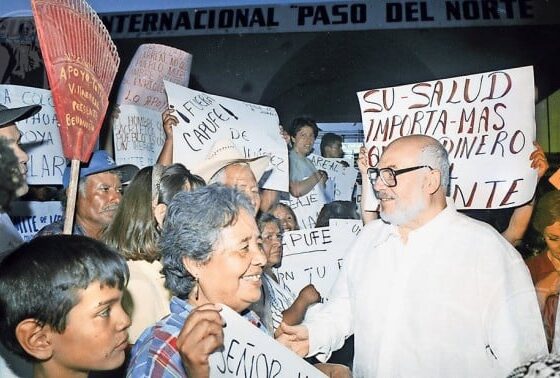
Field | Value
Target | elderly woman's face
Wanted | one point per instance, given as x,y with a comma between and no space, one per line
232,276
286,217
272,244
552,238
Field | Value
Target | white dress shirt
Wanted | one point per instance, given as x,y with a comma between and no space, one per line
455,300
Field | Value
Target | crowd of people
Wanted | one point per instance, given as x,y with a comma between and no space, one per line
137,289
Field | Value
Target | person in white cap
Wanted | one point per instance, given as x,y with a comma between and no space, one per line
226,165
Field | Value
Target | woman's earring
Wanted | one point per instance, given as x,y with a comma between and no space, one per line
196,292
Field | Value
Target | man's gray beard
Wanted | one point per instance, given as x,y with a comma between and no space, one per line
402,216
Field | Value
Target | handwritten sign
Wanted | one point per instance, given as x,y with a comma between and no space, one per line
205,118
249,352
343,178
142,84
138,136
29,217
39,134
316,255
485,121
308,207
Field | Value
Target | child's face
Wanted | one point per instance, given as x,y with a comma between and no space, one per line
96,332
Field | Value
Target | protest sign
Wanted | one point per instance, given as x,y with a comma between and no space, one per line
142,84
249,352
307,207
39,134
29,217
485,121
138,136
343,178
315,256
205,119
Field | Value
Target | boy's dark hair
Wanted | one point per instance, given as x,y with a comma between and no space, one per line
329,139
301,122
41,280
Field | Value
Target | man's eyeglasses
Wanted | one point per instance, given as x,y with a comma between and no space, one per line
389,175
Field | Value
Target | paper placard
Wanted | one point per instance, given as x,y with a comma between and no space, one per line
249,352
138,136
29,217
315,256
485,121
307,207
343,178
142,84
40,137
205,119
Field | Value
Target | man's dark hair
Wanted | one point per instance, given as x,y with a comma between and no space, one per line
329,139
42,279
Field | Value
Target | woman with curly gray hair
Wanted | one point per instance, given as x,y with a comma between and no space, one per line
211,253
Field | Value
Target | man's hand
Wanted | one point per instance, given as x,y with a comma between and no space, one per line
202,335
538,160
363,162
294,337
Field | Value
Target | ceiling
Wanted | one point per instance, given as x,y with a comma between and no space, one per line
318,74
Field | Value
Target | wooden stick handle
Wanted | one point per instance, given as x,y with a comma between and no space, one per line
71,197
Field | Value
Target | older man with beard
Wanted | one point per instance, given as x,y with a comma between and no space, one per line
426,291
99,195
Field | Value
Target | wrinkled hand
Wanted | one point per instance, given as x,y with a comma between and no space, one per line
363,164
295,338
310,295
169,120
202,335
538,160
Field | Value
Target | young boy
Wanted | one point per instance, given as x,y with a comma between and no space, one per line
60,305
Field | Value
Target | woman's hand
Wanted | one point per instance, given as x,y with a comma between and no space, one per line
169,121
202,335
322,176
538,160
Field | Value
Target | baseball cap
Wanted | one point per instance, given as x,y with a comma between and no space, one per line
101,162
12,115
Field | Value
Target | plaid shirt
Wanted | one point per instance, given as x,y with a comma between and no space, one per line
155,352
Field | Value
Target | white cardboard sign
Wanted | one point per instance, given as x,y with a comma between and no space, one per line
205,118
138,136
249,352
343,178
29,217
485,121
40,137
142,84
307,207
315,256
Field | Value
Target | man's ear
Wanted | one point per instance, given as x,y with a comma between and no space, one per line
35,339
433,181
159,213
